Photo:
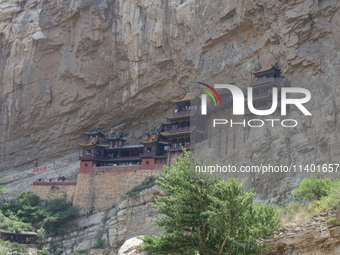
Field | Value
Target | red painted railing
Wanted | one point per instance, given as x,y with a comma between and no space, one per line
43,183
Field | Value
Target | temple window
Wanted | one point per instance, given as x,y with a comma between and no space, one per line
88,152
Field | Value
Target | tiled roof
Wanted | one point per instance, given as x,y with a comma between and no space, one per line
187,97
173,134
93,141
152,138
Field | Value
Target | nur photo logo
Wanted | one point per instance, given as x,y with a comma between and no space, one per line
250,102
209,90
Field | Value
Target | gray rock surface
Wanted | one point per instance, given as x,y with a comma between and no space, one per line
130,247
131,218
69,66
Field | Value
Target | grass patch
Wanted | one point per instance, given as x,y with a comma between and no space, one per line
313,196
293,212
333,222
147,183
100,241
85,251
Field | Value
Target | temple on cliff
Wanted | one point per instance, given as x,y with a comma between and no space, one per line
153,152
264,81
183,128
111,166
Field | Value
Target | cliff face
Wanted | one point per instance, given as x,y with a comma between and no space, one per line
134,216
70,66
314,236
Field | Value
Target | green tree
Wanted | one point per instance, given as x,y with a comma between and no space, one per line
314,188
207,215
7,247
12,223
61,215
26,207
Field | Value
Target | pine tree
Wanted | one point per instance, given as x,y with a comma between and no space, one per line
206,215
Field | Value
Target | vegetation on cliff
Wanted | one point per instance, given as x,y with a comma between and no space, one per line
313,196
147,183
28,212
207,215
56,216
27,207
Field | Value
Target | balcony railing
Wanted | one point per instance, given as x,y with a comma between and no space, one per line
148,154
179,129
107,158
184,112
122,157
179,148
90,157
152,154
172,129
263,81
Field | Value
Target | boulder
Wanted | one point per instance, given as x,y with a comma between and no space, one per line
130,247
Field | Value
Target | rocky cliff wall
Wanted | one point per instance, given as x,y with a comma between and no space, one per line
70,66
47,191
314,236
102,190
132,217
135,214
17,182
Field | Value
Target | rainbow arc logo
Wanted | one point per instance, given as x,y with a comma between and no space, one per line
211,92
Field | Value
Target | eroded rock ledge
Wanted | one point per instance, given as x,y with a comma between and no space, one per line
135,214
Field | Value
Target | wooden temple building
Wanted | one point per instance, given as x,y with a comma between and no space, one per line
177,129
111,165
23,237
184,127
152,152
264,81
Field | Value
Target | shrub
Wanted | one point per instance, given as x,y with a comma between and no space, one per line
205,215
44,250
314,188
147,183
82,251
332,200
319,195
100,241
289,210
61,216
329,202
12,223
7,247
26,207
333,222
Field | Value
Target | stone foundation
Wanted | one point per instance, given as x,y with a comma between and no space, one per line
98,190
104,187
53,190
